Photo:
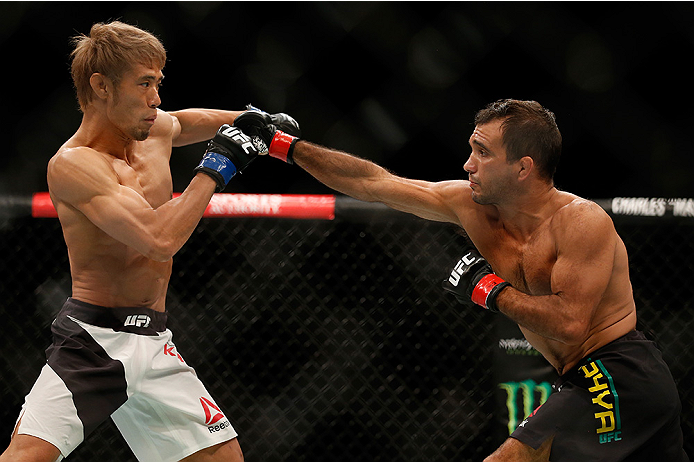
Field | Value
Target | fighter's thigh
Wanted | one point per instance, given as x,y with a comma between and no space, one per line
229,451
49,413
27,448
172,399
513,450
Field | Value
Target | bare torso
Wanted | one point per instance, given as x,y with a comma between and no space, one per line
527,263
104,270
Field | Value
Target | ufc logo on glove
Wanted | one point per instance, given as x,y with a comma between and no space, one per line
472,279
239,137
458,270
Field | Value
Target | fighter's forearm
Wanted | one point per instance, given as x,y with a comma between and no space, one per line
338,170
546,315
177,218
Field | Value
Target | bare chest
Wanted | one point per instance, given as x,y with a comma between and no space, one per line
526,265
147,174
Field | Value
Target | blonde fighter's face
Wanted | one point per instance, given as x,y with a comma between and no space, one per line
133,108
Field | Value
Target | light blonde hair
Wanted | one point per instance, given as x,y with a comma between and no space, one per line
111,49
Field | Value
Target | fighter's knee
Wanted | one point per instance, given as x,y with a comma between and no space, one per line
513,450
497,457
26,448
229,451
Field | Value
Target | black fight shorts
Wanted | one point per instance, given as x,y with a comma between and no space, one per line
619,404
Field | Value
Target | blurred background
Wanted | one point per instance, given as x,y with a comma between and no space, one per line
332,340
395,82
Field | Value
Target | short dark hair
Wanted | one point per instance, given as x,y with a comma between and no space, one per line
528,129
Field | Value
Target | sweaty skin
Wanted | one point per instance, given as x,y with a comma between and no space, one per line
105,270
570,293
111,186
568,267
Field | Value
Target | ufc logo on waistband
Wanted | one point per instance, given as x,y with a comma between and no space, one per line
137,320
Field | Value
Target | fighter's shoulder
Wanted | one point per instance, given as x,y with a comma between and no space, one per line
460,192
452,187
70,157
571,205
578,216
69,154
165,125
458,196
454,193
75,169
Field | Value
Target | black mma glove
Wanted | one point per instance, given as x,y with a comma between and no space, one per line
472,278
277,132
230,151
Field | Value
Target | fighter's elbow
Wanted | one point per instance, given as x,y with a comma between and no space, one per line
161,248
159,254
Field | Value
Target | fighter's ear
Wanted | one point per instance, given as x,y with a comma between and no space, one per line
525,167
100,84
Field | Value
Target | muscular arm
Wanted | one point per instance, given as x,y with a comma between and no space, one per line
83,179
196,125
586,242
369,182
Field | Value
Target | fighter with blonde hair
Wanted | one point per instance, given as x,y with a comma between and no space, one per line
112,355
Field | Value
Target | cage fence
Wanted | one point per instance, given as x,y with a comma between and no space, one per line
331,339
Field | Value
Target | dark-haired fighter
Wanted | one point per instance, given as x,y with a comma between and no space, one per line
550,261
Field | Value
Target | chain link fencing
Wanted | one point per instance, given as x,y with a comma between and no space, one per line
332,340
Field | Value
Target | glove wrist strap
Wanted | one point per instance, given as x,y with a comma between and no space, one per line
282,146
219,167
486,291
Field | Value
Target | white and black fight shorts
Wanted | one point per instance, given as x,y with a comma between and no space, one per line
121,363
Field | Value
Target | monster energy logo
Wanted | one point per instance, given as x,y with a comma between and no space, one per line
530,393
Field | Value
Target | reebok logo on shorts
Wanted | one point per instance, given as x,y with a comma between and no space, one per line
605,401
213,415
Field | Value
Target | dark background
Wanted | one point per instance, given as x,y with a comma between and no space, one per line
394,82
397,83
